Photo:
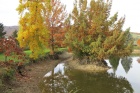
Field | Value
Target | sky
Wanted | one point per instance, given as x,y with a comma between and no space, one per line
128,8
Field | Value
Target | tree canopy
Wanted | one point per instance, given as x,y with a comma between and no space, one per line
32,31
14,34
93,33
55,17
2,33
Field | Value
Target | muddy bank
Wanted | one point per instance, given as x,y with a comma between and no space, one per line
33,75
75,64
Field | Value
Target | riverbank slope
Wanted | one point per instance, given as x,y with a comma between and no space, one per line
33,75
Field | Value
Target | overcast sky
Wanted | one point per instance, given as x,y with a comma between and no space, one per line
129,8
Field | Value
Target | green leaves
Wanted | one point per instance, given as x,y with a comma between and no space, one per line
2,33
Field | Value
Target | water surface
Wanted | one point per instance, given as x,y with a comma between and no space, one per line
123,77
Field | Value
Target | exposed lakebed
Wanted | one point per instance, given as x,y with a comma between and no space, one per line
123,77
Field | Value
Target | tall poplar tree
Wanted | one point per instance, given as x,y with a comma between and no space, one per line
32,30
2,33
95,34
55,17
15,34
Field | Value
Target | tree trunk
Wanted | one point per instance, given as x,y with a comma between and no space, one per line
104,62
5,58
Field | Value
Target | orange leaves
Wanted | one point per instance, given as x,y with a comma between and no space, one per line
55,17
138,42
69,49
10,48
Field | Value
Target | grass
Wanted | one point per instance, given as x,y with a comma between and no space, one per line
136,52
2,57
137,47
28,52
62,49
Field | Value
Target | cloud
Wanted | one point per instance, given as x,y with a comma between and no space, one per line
8,13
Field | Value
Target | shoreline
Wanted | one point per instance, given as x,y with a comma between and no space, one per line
33,75
91,68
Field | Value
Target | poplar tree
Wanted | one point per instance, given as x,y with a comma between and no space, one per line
95,34
14,34
32,31
2,33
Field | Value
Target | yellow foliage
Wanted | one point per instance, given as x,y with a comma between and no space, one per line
32,32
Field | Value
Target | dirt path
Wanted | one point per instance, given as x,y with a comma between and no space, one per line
34,74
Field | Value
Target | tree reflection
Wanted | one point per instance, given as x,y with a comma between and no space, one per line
73,80
56,82
99,82
126,63
138,60
114,61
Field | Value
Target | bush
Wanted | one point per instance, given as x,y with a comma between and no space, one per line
6,74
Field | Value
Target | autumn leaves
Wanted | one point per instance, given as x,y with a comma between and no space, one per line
87,31
95,34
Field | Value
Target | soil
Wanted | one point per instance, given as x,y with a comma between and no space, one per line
33,75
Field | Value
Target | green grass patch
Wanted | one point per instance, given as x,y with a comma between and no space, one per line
62,49
2,57
27,52
136,47
47,50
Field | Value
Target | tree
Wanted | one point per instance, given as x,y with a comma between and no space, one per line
14,34
95,34
55,17
32,31
138,42
2,33
9,47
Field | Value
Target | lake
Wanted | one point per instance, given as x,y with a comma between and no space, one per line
123,77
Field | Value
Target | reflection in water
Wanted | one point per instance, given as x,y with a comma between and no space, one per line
65,80
59,68
56,81
126,63
138,60
114,61
100,82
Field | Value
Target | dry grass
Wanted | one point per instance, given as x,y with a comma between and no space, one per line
87,68
136,51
